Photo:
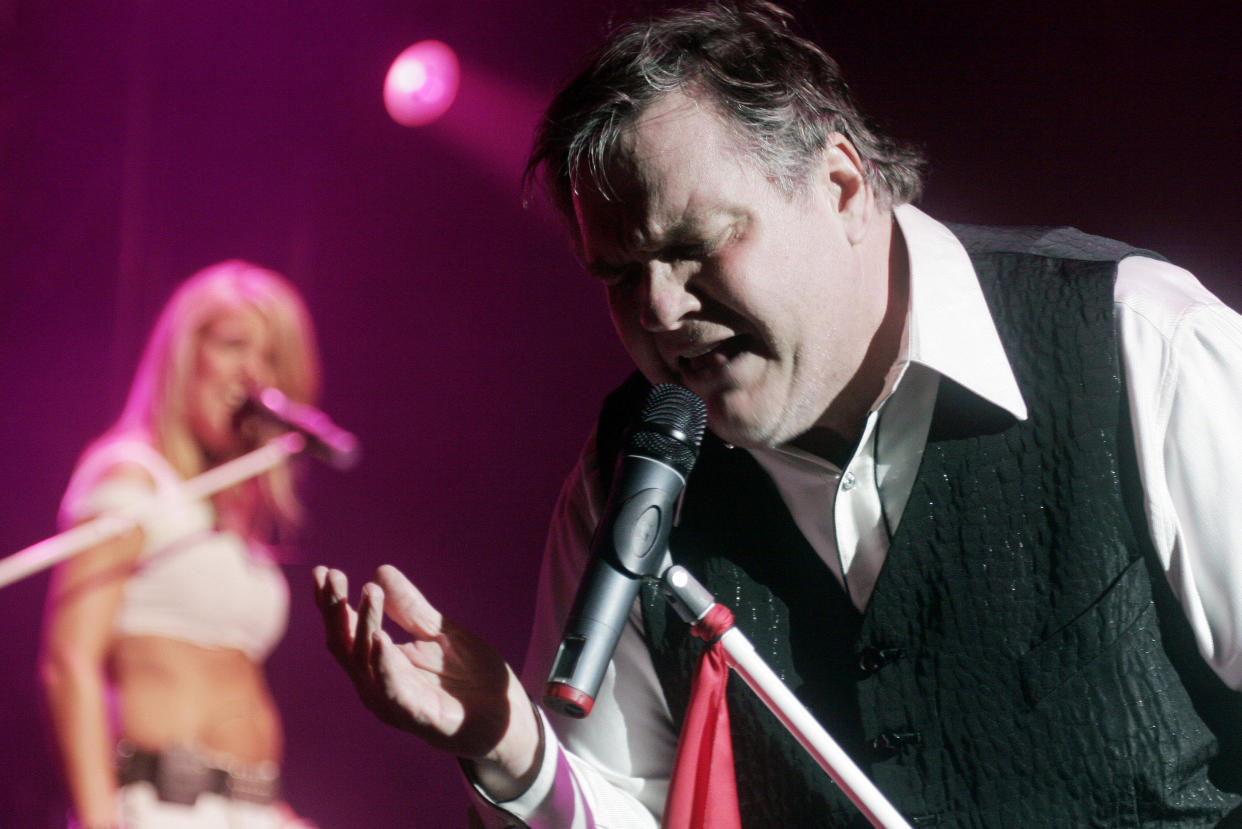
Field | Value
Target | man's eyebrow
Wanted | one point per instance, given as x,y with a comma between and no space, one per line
685,232
692,230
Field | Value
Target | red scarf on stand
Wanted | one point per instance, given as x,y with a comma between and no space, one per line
703,791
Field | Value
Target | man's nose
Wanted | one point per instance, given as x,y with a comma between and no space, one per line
666,300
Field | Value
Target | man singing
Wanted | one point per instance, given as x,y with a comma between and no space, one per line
966,489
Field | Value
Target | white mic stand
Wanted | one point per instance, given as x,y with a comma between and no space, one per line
692,602
88,534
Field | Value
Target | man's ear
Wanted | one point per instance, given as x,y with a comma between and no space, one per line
841,172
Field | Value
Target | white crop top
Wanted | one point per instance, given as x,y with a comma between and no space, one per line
193,582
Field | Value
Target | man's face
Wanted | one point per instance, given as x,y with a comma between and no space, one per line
719,281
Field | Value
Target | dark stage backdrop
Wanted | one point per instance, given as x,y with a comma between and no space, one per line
140,141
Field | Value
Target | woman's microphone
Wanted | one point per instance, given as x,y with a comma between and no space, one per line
327,441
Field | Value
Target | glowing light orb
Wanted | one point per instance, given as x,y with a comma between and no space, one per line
421,83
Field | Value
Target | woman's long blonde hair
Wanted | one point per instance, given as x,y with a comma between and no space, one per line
156,409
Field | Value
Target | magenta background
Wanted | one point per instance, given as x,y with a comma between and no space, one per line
140,141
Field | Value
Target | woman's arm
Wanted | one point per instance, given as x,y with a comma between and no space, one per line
83,598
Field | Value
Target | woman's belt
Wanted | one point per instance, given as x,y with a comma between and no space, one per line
181,773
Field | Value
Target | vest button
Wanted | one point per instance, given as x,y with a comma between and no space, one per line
847,481
925,820
871,659
890,742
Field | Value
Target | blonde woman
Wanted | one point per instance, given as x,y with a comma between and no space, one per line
154,641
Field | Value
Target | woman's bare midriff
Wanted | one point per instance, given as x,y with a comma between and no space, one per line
172,692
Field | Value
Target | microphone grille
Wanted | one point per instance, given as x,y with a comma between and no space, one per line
670,427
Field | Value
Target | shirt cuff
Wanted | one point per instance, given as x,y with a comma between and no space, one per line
518,811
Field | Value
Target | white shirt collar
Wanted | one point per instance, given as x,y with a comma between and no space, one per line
950,328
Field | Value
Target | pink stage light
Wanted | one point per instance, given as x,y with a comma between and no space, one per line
421,83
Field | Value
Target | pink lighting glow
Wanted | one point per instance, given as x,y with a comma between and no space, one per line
421,83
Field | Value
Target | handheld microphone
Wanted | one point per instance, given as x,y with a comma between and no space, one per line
629,543
325,439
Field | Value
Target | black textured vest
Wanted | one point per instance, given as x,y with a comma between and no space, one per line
1017,665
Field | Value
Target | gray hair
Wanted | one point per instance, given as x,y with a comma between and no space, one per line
782,93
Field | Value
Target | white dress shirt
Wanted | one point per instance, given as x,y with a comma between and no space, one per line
1182,353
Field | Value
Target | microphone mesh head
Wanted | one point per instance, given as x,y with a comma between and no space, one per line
670,427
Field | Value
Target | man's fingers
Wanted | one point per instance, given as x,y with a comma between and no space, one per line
324,591
407,606
380,643
331,595
370,620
